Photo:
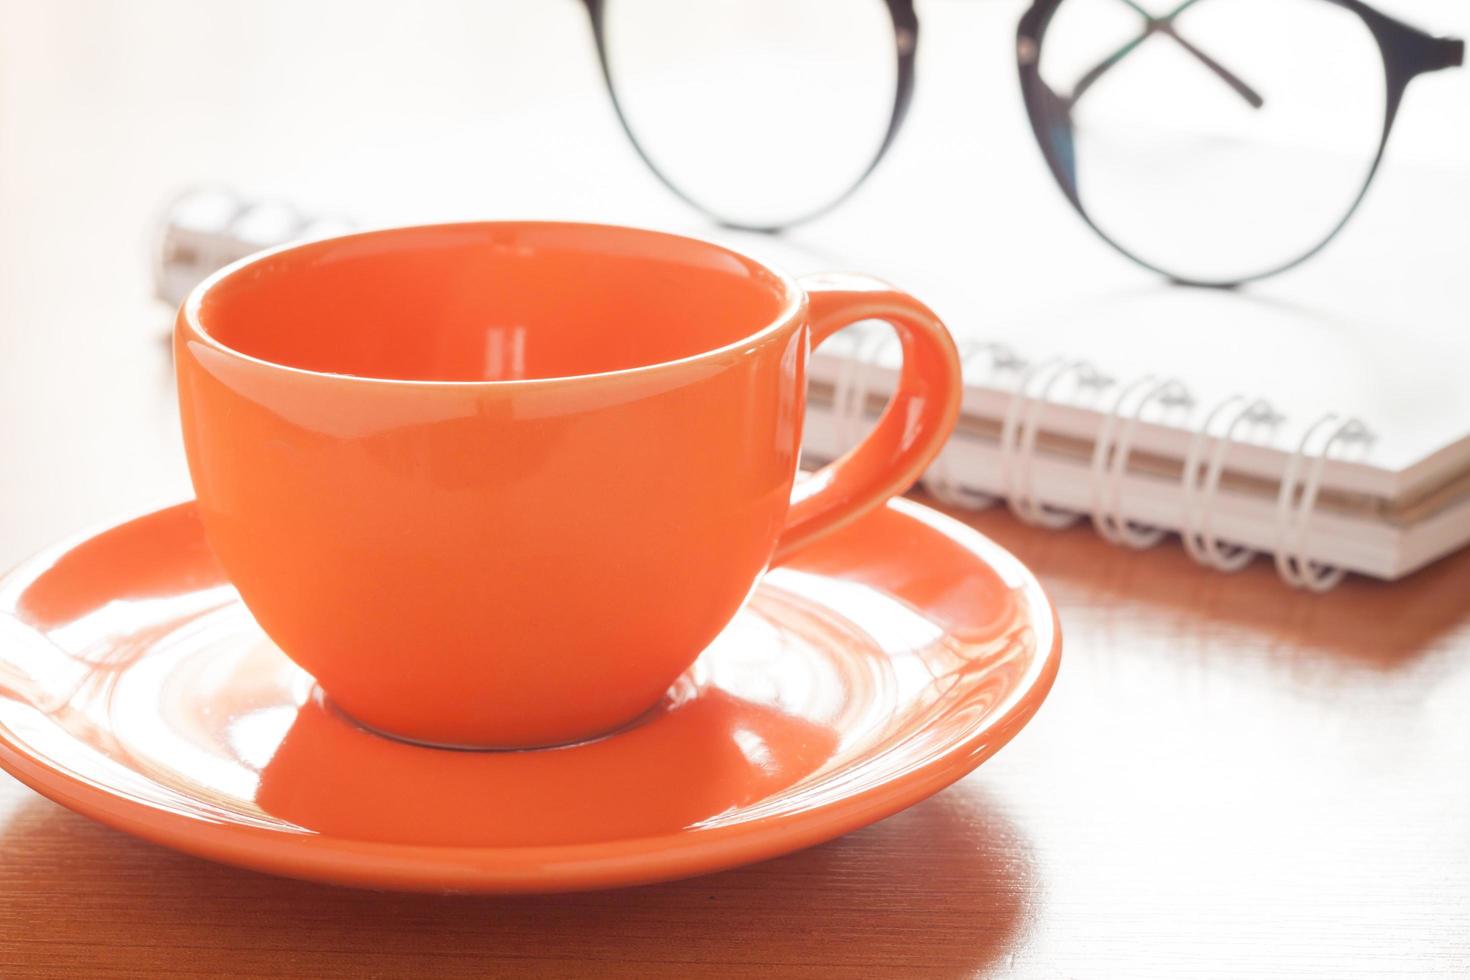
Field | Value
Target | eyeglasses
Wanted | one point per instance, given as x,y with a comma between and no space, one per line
1214,142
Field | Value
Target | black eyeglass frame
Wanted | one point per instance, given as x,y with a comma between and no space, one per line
1407,52
905,44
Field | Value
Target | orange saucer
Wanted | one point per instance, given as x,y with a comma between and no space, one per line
871,670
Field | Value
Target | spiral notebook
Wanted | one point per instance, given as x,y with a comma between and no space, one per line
1323,421
1061,439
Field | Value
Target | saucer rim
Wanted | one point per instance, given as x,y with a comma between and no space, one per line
549,868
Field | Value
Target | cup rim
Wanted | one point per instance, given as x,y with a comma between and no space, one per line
794,301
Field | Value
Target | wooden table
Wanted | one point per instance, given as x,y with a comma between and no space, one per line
1229,778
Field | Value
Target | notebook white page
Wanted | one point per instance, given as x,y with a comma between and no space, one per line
1377,326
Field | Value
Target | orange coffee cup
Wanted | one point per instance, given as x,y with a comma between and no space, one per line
498,484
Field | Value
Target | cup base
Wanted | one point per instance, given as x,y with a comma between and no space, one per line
322,698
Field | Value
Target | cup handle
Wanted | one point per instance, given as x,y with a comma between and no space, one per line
913,427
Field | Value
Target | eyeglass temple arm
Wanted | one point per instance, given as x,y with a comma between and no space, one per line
1446,52
1164,25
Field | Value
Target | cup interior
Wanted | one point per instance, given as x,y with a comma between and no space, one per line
490,302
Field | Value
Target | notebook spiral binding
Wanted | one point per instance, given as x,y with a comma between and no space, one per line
1201,479
201,229
1234,420
1295,502
940,480
1018,436
1110,458
205,228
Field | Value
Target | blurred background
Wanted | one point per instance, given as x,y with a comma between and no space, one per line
392,112
1230,777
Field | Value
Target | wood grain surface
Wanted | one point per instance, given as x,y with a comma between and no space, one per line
1229,779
